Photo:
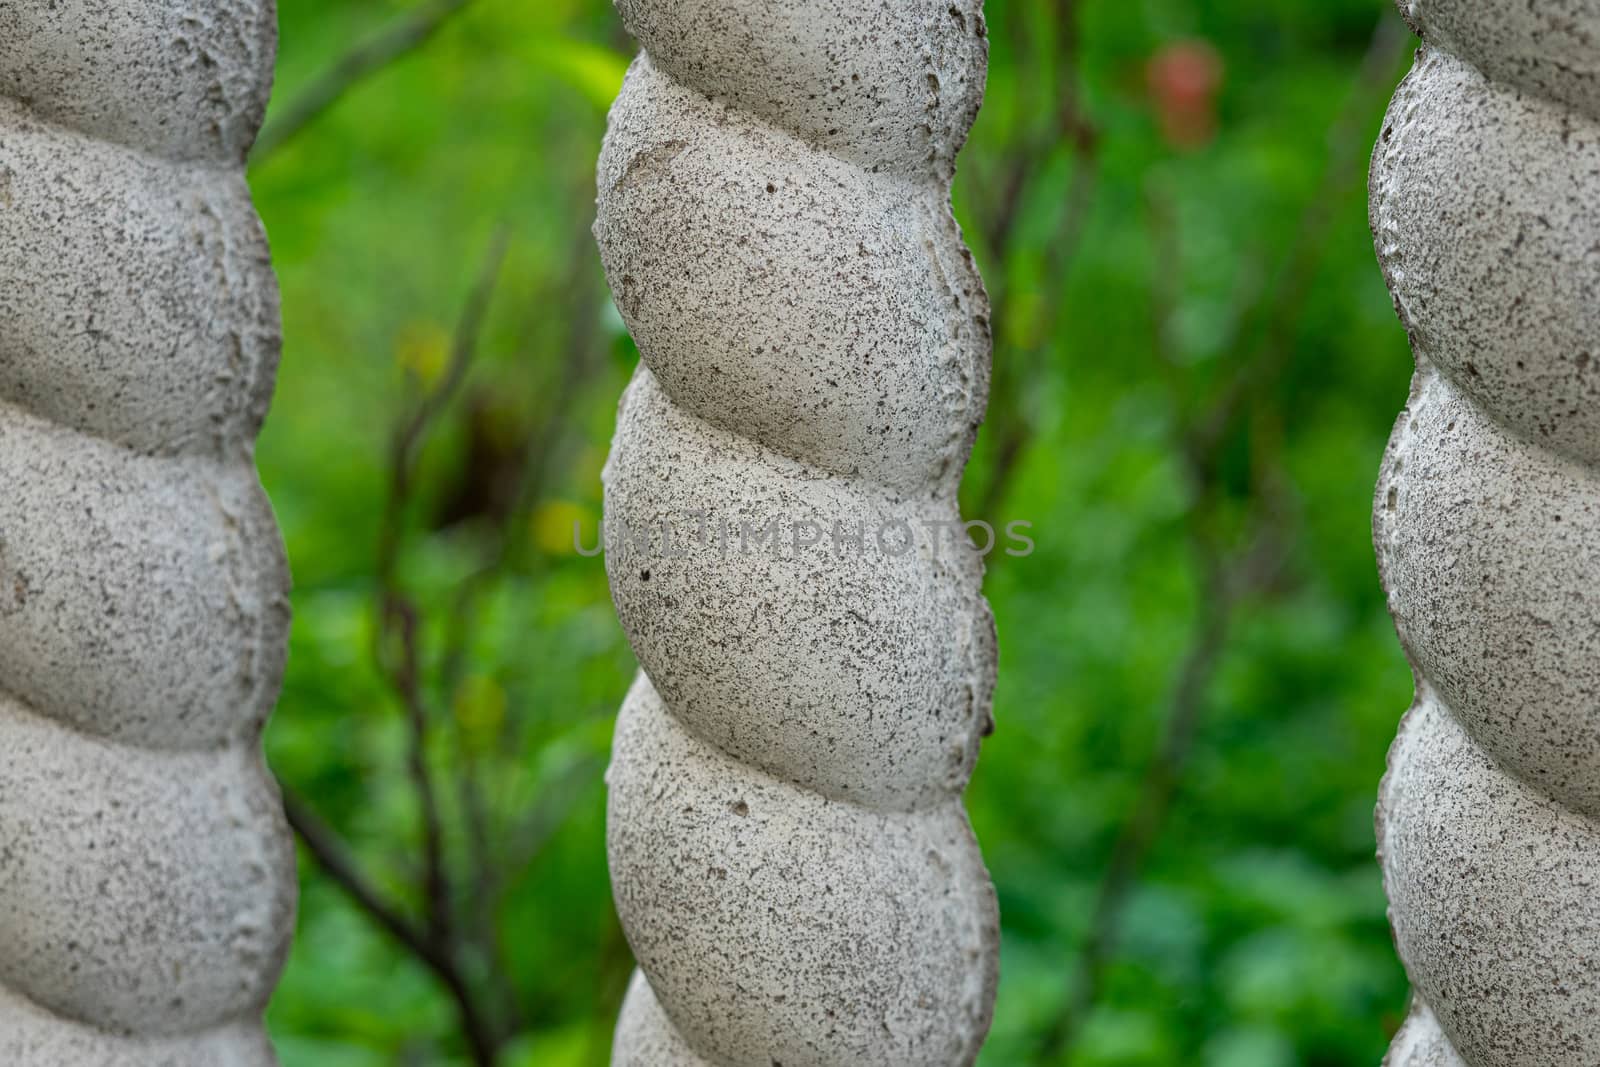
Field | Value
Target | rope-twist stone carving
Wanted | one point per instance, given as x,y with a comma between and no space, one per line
788,849
146,876
1486,211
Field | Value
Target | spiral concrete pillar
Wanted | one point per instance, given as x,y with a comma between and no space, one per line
788,850
1486,209
146,876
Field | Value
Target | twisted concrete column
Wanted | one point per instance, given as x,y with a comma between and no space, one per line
146,876
788,850
1486,208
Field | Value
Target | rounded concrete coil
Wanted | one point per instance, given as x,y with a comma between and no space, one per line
1486,211
147,877
788,850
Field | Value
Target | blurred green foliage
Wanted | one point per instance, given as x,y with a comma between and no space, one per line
1198,366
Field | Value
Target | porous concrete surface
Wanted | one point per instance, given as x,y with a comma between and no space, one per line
860,674
787,846
646,1037
34,1036
1486,213
147,881
140,598
789,296
1492,547
182,79
803,908
136,295
1493,888
123,864
1546,48
1420,1043
1502,293
890,86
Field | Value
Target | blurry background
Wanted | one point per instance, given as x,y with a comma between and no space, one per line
1197,367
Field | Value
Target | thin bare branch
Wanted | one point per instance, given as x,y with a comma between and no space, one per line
578,361
1008,424
1228,578
398,654
408,440
396,41
397,651
341,866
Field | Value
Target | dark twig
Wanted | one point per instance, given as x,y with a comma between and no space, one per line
535,465
431,942
533,474
337,862
1228,579
463,350
1011,427
1267,330
1226,583
397,40
397,652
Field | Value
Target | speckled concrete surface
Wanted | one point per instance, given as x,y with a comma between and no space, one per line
147,880
890,86
1420,1043
190,275
1502,295
1486,212
863,356
861,675
1490,545
1545,48
1494,887
787,846
34,1036
802,909
185,80
646,1037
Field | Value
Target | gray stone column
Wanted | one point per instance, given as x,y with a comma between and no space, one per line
1486,209
788,850
146,875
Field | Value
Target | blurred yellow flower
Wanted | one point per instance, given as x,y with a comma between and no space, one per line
423,349
553,523
480,711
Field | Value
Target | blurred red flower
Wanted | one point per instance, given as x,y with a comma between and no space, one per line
1184,78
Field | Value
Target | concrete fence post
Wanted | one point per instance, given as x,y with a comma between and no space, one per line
146,874
1486,211
788,849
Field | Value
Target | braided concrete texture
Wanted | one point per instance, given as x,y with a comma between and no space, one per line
146,876
1486,210
788,850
